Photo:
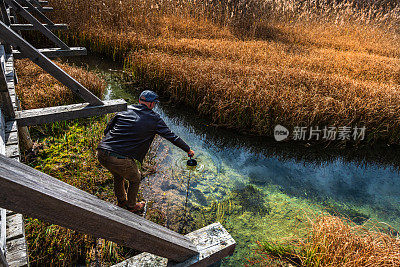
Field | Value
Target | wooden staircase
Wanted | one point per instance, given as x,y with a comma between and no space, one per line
24,190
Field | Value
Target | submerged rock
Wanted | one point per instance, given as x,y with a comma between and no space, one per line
252,199
201,199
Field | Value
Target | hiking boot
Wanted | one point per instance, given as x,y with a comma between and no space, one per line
138,208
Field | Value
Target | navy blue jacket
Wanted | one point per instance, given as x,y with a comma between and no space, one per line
131,132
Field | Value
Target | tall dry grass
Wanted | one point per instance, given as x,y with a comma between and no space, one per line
38,89
252,64
335,242
260,97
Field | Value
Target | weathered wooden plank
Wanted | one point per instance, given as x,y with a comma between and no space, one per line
3,83
46,64
41,9
11,76
29,27
2,134
143,259
56,52
10,212
3,229
11,138
3,261
11,126
213,243
15,158
6,103
12,151
10,85
35,194
38,3
38,25
15,227
68,112
17,252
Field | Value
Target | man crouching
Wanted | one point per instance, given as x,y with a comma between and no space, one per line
128,137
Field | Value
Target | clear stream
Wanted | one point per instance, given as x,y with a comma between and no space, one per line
259,189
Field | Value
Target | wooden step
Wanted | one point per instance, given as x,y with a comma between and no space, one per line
15,227
17,252
213,243
30,27
56,52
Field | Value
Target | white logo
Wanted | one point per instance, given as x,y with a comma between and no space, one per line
280,133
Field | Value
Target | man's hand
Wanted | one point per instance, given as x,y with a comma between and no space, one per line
191,153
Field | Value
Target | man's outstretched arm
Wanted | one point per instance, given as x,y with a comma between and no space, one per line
164,131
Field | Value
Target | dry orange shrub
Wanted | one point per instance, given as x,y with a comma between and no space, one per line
335,242
260,97
278,61
332,241
38,89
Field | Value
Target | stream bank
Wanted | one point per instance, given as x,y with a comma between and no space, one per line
258,190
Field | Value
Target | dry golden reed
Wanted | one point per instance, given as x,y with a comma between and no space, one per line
38,89
252,64
334,242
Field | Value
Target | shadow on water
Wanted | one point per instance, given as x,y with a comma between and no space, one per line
259,188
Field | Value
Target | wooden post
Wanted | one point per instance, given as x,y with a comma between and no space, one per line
23,132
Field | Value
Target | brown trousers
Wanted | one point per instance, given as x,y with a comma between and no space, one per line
122,169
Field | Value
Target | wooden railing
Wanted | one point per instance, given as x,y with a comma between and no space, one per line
3,234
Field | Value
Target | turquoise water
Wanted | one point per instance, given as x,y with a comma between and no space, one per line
259,189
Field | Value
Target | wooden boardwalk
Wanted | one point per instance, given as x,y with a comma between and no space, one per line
16,247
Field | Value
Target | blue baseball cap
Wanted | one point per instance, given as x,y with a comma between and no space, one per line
149,96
